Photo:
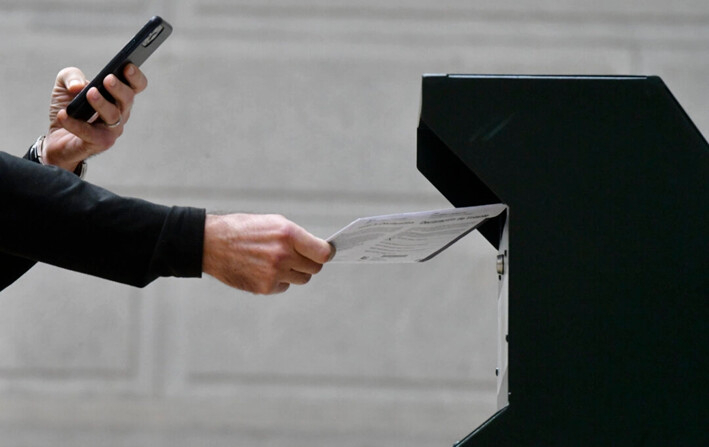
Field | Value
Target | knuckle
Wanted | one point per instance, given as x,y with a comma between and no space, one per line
268,281
129,95
266,288
260,290
65,71
278,258
281,230
286,231
278,220
109,138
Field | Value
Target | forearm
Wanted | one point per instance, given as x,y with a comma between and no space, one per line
13,267
51,216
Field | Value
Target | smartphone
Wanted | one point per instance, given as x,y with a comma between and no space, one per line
140,47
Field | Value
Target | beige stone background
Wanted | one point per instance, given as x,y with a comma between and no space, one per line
306,108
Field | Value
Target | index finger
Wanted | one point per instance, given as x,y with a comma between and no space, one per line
312,247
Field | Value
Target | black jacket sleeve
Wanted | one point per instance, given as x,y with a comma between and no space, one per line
50,215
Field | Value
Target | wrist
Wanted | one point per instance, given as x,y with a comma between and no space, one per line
51,155
34,153
47,154
211,231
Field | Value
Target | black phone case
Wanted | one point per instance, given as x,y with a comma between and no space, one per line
140,47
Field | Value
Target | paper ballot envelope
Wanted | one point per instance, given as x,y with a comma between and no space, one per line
408,237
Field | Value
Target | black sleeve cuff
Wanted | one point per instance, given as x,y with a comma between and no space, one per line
181,244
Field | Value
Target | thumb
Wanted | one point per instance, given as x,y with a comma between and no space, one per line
73,79
313,247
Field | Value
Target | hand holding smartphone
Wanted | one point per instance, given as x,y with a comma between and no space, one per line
140,47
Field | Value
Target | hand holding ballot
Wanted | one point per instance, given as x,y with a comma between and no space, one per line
262,254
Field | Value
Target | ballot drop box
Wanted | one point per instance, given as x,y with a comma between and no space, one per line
603,252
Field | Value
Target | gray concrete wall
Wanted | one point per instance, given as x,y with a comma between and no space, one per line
309,109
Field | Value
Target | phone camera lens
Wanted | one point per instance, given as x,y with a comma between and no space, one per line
155,33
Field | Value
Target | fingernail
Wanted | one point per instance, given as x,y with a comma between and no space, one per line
130,71
74,83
